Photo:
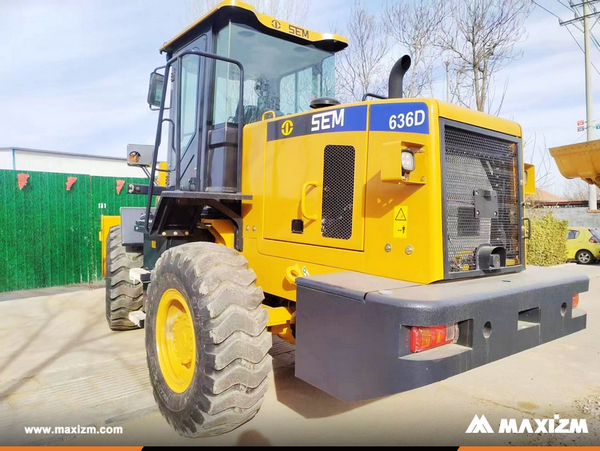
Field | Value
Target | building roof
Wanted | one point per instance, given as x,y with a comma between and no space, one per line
57,153
544,196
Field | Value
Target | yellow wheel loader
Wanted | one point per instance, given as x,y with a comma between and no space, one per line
385,238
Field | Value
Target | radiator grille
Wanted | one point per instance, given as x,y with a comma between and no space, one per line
338,192
476,161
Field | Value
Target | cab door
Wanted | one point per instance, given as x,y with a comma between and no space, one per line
315,179
186,107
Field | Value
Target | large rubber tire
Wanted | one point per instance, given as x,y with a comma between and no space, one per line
584,257
123,296
232,363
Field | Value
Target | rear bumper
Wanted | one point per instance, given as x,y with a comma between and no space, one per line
353,330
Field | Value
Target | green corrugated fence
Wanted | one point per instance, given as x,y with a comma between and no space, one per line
48,234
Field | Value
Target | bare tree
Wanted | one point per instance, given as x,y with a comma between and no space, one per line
479,37
538,154
575,189
293,11
414,26
360,67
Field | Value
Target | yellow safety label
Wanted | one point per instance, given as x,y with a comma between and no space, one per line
400,221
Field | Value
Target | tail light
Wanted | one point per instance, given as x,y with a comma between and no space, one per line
593,239
428,337
575,300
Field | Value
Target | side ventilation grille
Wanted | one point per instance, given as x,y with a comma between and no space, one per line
338,192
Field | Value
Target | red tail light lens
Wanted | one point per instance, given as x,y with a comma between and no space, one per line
593,240
575,300
423,337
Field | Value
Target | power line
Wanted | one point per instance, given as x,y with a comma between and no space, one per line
578,18
568,7
597,44
594,38
589,39
595,41
589,106
579,137
547,10
581,48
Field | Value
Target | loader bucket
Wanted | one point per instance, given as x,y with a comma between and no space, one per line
581,160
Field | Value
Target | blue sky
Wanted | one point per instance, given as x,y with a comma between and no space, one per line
74,74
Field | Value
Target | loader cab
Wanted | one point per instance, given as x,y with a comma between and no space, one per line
233,67
283,67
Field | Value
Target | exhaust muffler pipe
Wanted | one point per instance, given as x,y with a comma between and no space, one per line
397,77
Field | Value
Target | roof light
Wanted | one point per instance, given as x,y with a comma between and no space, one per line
428,337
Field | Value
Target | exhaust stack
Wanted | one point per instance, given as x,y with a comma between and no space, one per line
397,76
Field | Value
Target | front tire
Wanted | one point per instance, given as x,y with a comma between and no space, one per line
584,257
206,339
123,296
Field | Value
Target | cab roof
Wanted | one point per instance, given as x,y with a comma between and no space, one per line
245,13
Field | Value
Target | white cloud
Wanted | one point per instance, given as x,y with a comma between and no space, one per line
76,73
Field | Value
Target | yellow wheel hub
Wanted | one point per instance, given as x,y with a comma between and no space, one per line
175,340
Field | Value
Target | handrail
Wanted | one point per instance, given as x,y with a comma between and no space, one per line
376,96
157,141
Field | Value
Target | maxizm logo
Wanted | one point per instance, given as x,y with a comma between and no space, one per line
554,425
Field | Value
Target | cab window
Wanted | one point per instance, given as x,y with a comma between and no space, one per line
279,75
190,71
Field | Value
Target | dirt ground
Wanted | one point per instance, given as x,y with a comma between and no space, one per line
60,365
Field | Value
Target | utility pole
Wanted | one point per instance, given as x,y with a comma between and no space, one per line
589,104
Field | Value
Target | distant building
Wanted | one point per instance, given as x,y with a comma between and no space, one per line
544,198
574,211
23,159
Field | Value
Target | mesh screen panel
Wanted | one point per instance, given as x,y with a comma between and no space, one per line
338,192
476,161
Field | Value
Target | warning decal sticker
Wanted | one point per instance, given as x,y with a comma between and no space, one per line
400,221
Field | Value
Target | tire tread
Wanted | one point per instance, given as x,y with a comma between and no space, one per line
123,296
234,373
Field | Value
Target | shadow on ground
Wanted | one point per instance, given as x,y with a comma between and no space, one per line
300,396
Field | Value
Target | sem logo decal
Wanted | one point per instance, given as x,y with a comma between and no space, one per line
297,31
276,24
327,120
287,127
345,119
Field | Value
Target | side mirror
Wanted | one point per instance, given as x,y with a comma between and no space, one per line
139,155
155,89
